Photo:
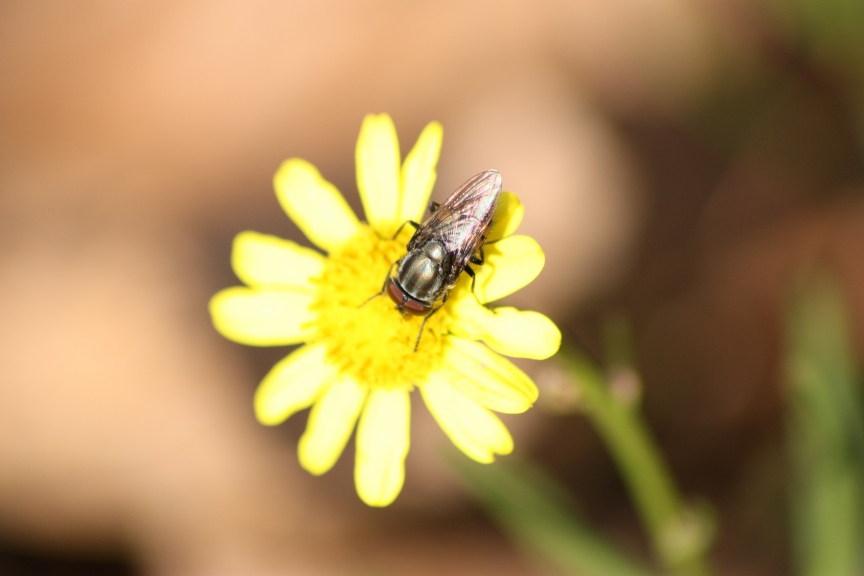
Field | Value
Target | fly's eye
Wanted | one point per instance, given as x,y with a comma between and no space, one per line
416,307
395,292
405,302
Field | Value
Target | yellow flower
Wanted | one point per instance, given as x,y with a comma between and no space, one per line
358,362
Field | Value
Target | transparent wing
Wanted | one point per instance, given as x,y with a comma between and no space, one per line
461,223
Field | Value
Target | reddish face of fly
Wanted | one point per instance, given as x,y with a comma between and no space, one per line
404,302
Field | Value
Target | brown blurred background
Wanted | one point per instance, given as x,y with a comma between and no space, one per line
680,163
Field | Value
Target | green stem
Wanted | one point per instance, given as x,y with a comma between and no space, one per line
679,535
826,429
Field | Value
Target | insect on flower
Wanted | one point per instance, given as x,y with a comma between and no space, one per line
444,245
347,374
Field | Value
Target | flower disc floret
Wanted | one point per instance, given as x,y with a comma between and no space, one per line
369,339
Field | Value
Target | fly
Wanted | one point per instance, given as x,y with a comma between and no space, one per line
444,245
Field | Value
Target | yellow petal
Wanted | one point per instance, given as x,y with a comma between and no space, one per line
471,427
468,315
262,260
331,422
314,204
262,317
510,265
293,384
508,331
378,166
508,215
418,173
522,334
487,378
383,437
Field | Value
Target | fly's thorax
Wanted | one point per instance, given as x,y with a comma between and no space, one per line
422,272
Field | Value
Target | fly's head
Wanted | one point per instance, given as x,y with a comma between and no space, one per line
404,302
420,279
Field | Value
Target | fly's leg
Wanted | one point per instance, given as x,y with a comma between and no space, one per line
383,287
423,324
433,206
473,276
479,261
411,222
470,271
390,271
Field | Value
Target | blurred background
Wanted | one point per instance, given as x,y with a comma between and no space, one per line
681,163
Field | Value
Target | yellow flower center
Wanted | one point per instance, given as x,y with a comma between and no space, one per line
373,342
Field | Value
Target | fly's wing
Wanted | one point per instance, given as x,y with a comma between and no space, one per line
461,223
